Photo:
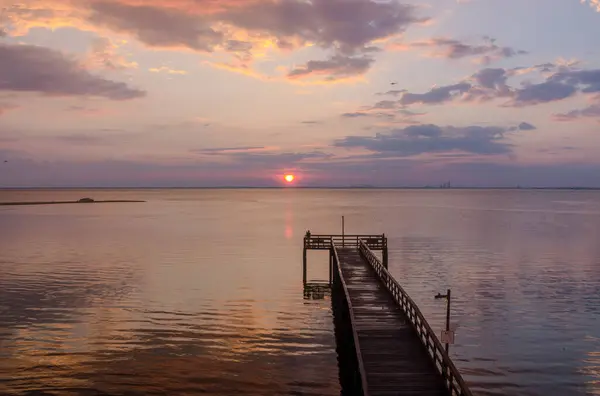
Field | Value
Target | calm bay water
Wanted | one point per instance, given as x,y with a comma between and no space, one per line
200,291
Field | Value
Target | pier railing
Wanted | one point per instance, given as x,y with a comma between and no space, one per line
338,281
326,242
452,378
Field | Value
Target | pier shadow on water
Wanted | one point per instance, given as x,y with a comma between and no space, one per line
347,362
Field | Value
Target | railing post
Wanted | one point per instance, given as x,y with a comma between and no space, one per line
304,263
343,233
448,321
331,264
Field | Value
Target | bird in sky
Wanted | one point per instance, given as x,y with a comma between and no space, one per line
394,83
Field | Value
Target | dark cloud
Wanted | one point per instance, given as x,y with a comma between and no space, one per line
237,45
548,91
227,150
436,95
454,49
157,26
493,83
419,139
28,68
525,126
587,80
336,68
347,25
491,78
356,114
592,111
311,122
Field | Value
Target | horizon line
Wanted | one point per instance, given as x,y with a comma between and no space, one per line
300,187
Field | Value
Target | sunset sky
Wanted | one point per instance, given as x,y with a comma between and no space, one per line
337,92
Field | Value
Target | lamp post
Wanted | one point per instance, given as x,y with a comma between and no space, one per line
447,336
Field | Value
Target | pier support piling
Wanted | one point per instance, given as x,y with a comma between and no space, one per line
304,265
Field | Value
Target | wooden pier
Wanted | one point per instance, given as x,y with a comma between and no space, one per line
385,345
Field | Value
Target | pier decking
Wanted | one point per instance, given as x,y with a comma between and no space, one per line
393,349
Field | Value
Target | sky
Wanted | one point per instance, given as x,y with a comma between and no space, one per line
209,93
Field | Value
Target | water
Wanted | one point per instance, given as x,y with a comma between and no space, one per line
199,291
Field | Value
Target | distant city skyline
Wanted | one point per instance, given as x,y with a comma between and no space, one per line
213,93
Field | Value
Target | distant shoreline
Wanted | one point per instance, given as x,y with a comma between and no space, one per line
64,202
289,188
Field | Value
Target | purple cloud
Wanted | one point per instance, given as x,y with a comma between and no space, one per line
436,95
336,68
345,27
28,68
428,138
455,49
592,111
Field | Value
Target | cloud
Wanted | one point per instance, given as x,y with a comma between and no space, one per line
347,25
587,80
592,111
231,150
436,95
157,26
90,111
242,28
262,156
455,49
393,92
525,126
561,81
167,70
548,91
428,138
336,68
28,68
595,4
356,114
104,54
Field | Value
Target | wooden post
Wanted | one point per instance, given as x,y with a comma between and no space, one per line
385,257
304,265
343,237
448,320
330,266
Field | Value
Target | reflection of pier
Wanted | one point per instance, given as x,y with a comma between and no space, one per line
316,290
385,346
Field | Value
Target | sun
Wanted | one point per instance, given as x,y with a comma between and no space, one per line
289,178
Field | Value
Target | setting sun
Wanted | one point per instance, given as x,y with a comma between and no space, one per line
289,178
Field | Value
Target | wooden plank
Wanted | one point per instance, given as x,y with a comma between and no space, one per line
394,359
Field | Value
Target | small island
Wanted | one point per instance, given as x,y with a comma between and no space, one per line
81,200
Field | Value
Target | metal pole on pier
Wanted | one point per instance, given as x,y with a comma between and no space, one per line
447,335
448,319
